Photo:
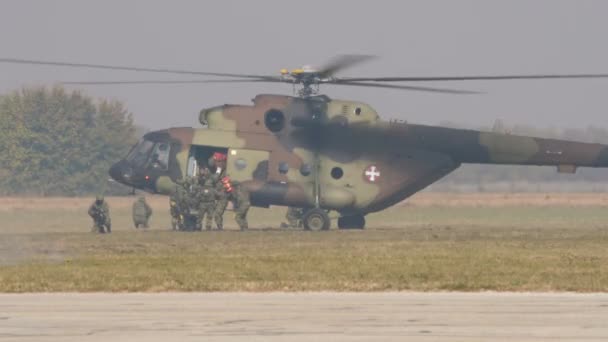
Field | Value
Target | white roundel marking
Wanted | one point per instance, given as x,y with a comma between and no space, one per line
372,173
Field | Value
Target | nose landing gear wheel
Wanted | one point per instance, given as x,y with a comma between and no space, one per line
316,219
351,222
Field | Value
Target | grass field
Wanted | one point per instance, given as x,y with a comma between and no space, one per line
466,242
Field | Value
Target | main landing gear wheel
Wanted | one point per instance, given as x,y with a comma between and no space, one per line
316,219
351,222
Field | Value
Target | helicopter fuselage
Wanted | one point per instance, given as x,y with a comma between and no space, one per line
331,154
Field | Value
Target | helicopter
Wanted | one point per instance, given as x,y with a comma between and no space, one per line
310,151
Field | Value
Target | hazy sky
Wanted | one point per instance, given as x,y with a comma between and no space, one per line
412,38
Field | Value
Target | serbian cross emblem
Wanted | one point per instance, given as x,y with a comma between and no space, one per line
372,174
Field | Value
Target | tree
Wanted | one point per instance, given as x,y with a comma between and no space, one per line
57,143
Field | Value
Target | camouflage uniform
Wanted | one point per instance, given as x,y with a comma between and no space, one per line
192,200
179,205
221,202
100,212
294,217
207,195
185,197
234,192
188,183
174,210
240,201
141,212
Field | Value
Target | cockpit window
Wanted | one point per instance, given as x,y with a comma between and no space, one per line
139,154
160,156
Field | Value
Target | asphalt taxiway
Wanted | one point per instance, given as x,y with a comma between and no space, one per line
321,316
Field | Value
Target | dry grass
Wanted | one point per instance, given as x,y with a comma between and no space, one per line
463,242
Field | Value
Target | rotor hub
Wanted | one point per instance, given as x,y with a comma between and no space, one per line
307,78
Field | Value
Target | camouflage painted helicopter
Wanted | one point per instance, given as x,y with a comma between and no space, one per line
314,152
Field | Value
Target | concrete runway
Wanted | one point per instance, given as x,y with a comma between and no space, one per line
304,317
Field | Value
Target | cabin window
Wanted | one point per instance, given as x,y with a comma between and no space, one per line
283,167
337,173
159,159
240,164
139,153
305,170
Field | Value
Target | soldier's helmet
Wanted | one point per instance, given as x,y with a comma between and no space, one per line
141,198
99,198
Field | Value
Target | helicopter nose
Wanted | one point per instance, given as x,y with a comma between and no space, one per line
121,172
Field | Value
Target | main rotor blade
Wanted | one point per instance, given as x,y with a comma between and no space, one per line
129,68
342,62
166,82
404,87
467,78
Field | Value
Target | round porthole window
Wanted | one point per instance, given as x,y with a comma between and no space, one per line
305,169
283,167
358,110
240,164
337,173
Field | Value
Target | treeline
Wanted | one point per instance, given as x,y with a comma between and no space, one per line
54,142
529,178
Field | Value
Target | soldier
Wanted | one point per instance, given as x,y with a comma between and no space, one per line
178,203
203,175
294,217
191,202
100,212
241,204
228,191
218,162
207,196
180,197
174,211
221,196
141,212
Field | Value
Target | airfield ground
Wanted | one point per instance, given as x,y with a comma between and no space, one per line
304,317
463,242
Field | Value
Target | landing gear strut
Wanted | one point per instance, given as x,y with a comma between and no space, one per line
316,219
351,222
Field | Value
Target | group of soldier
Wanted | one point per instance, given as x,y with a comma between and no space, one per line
100,213
205,197
199,198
